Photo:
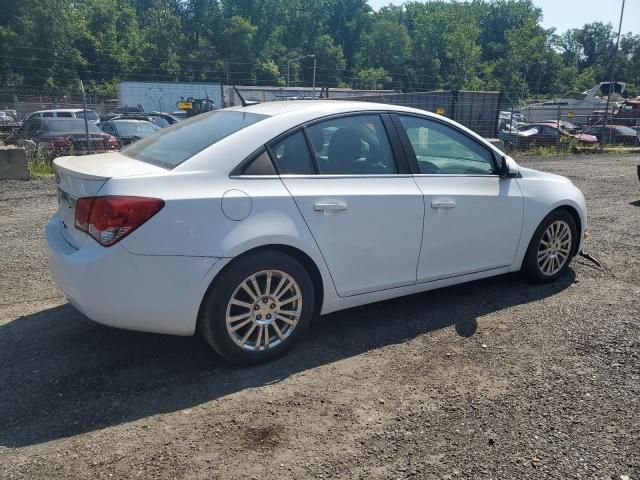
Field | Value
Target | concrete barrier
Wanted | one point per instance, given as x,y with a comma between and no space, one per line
13,164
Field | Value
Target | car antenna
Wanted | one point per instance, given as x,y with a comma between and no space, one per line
245,103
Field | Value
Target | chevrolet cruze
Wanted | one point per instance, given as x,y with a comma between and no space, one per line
246,223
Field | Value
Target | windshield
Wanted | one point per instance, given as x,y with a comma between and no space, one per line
71,126
626,131
135,129
170,147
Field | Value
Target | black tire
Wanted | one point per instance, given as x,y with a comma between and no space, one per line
531,270
213,311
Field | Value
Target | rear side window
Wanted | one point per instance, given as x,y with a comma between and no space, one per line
260,164
170,147
292,155
352,145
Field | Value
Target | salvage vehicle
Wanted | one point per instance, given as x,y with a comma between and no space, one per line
246,223
62,135
547,133
159,119
66,113
614,134
128,131
6,118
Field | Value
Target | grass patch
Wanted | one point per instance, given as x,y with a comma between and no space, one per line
549,151
40,162
41,169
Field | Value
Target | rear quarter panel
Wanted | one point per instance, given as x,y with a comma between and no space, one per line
193,223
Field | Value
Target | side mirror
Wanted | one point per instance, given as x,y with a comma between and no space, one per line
505,168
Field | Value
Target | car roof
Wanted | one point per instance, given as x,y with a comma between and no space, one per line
71,110
318,108
284,116
127,120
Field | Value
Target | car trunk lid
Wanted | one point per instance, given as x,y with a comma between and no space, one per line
79,177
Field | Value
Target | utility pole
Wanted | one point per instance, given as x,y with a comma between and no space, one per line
86,122
613,69
313,87
300,58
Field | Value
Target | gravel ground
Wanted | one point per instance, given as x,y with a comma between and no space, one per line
491,379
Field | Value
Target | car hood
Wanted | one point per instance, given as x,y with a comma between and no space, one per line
584,137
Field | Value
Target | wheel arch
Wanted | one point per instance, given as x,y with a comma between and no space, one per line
304,258
571,210
576,218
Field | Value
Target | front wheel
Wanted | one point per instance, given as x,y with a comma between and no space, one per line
257,308
551,249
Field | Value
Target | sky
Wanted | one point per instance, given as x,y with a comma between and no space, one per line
566,14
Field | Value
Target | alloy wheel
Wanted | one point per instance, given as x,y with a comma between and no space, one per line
554,248
264,310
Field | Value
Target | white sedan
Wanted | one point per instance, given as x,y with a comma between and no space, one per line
246,223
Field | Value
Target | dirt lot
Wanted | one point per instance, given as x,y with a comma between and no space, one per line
492,379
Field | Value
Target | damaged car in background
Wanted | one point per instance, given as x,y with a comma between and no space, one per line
62,135
530,135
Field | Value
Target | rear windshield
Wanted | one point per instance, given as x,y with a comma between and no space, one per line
170,147
132,129
91,115
71,126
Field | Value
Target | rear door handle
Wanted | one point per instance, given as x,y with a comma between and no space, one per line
443,203
329,206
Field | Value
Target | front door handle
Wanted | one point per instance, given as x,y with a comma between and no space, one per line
443,203
329,206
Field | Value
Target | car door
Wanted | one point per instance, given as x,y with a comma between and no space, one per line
473,217
355,193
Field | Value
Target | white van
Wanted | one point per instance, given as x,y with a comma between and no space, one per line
66,113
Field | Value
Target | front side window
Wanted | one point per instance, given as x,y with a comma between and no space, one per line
440,149
170,147
549,131
352,145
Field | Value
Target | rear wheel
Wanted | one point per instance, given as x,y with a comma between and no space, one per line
257,308
551,248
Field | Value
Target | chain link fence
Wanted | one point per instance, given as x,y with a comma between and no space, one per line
491,114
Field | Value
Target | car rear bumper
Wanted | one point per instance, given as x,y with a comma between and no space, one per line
112,286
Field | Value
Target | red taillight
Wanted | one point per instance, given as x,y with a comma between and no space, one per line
109,219
112,142
60,142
